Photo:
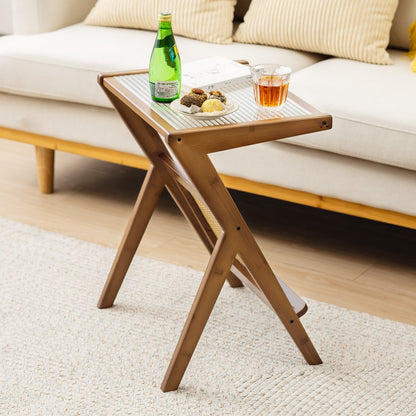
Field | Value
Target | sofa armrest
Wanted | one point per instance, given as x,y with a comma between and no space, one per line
36,16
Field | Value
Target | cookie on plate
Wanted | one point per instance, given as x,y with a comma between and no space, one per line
195,97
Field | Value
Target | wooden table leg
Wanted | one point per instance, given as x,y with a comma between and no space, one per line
145,205
220,202
211,285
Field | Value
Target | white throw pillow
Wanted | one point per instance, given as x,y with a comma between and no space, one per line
354,29
207,20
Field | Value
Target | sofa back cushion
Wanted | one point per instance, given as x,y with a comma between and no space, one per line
207,20
404,17
354,29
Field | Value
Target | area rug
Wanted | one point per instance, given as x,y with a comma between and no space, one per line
60,355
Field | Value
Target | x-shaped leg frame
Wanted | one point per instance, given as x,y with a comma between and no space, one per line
195,178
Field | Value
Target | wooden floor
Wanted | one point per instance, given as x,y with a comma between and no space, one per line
346,261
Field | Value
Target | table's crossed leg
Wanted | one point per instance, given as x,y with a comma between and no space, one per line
235,239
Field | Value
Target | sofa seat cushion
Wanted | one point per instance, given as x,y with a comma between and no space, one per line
373,108
63,65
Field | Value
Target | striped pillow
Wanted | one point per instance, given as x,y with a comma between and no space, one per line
353,29
207,20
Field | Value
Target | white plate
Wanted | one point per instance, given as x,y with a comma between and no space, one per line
229,108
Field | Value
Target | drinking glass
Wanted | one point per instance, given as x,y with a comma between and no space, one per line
271,85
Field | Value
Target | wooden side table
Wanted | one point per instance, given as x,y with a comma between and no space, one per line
178,146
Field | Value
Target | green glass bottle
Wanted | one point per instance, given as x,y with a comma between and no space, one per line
165,63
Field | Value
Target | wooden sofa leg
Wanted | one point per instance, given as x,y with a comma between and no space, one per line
45,159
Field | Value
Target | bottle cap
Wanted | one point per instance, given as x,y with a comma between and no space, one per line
165,17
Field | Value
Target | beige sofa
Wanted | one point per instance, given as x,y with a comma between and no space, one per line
364,166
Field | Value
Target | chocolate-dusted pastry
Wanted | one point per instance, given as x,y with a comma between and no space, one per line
196,97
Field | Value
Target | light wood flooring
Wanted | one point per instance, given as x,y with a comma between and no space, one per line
346,261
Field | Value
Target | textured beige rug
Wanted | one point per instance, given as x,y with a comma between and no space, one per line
61,355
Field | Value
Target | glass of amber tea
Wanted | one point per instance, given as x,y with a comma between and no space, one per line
271,85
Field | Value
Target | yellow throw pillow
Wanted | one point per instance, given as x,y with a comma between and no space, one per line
412,49
353,29
207,20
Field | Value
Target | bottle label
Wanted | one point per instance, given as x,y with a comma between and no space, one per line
166,89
